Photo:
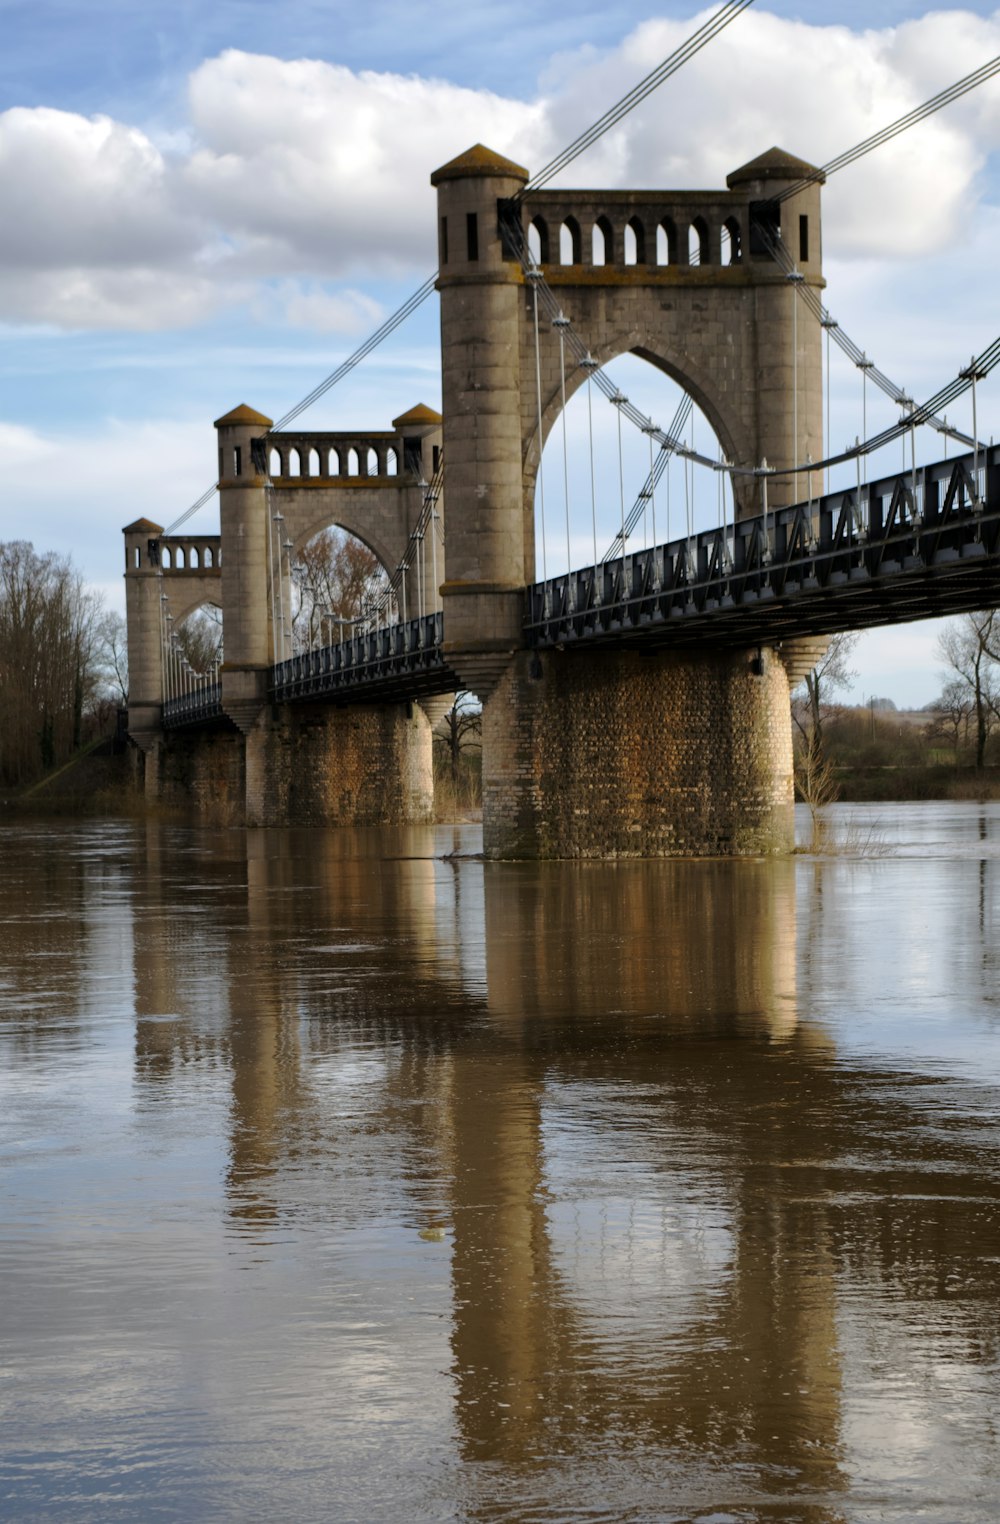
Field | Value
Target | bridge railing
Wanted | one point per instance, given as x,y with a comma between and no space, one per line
203,702
376,656
928,519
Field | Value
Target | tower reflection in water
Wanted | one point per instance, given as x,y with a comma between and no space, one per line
588,1088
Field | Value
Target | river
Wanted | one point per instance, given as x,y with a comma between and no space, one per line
347,1177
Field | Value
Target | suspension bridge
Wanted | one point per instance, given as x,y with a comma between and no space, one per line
634,705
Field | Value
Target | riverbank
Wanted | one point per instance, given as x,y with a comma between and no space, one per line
897,785
98,780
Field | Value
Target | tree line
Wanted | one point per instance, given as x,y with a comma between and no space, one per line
55,669
960,728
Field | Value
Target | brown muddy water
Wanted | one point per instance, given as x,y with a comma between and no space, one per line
346,1177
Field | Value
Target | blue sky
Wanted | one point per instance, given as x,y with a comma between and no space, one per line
212,204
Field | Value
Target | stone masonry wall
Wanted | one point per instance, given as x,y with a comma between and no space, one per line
357,765
638,754
199,770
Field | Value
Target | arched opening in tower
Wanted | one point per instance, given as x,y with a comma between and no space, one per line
601,472
198,638
338,587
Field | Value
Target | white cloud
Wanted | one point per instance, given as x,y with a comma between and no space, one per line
305,171
21,447
321,311
92,186
315,168
83,488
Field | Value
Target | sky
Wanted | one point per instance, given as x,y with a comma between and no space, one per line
206,204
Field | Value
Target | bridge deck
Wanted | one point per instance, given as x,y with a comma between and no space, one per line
913,546
397,663
907,547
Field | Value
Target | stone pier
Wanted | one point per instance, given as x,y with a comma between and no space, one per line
630,753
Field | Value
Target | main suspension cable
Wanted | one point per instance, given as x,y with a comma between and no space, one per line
372,342
921,413
902,124
645,87
670,65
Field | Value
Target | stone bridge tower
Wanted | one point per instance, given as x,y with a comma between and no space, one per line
276,491
720,323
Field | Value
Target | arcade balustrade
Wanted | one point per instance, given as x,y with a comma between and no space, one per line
407,655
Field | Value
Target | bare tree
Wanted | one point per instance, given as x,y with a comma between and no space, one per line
48,666
970,644
953,710
337,581
462,729
830,674
200,638
111,646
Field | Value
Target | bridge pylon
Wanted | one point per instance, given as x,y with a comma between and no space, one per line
614,754
246,608
490,546
144,623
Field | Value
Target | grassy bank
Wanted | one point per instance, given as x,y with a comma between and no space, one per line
878,785
97,780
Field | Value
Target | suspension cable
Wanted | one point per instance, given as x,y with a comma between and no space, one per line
659,465
645,87
922,413
902,124
372,342
206,496
781,256
670,65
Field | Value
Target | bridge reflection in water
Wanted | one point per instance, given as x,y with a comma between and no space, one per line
664,1222
495,1191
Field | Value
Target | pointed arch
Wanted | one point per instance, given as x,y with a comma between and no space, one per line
666,241
645,345
732,242
570,243
603,242
201,643
635,242
698,250
538,240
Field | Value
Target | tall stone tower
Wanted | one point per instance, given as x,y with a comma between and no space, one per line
482,296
